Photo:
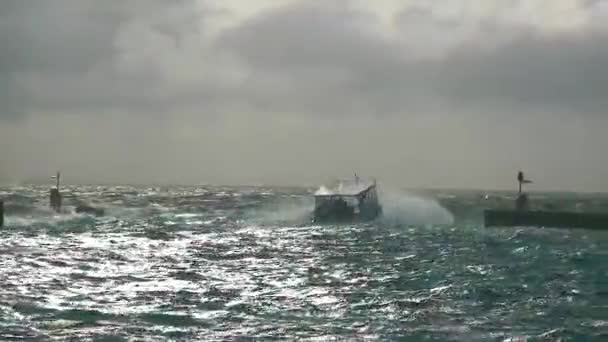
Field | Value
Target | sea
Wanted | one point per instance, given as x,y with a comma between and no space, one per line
210,263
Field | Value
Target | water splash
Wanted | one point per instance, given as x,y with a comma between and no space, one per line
323,190
294,211
401,208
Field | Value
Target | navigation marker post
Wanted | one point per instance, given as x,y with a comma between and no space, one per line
55,195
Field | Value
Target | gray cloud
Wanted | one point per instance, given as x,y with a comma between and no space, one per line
65,37
89,56
563,74
334,61
150,84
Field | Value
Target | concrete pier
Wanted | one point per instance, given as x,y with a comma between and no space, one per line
548,219
522,216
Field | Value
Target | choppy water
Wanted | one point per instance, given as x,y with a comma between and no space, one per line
222,264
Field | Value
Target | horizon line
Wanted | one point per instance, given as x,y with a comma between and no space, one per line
301,186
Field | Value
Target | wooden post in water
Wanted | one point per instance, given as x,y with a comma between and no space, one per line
55,197
1,213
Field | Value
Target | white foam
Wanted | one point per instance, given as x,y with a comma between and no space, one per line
408,209
345,187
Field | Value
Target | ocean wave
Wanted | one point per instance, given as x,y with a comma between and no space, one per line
182,263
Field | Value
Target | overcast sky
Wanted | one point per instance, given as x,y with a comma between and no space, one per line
417,93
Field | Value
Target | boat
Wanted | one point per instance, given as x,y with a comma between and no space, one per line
522,216
347,201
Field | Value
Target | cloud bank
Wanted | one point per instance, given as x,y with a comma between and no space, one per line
420,93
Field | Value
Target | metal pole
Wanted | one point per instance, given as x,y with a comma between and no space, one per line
520,179
55,196
520,187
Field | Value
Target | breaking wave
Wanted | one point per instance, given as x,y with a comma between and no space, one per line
400,208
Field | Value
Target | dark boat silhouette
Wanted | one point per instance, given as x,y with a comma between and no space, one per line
347,201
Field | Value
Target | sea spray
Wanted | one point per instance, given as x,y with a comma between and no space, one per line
291,210
398,208
402,208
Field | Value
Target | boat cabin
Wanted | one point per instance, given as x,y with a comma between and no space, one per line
347,201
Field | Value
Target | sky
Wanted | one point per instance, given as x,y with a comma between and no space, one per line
417,93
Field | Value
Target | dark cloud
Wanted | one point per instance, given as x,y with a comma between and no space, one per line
48,37
73,55
12,97
307,37
333,62
319,61
147,85
565,74
90,56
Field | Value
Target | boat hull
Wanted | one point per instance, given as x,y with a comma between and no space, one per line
549,219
